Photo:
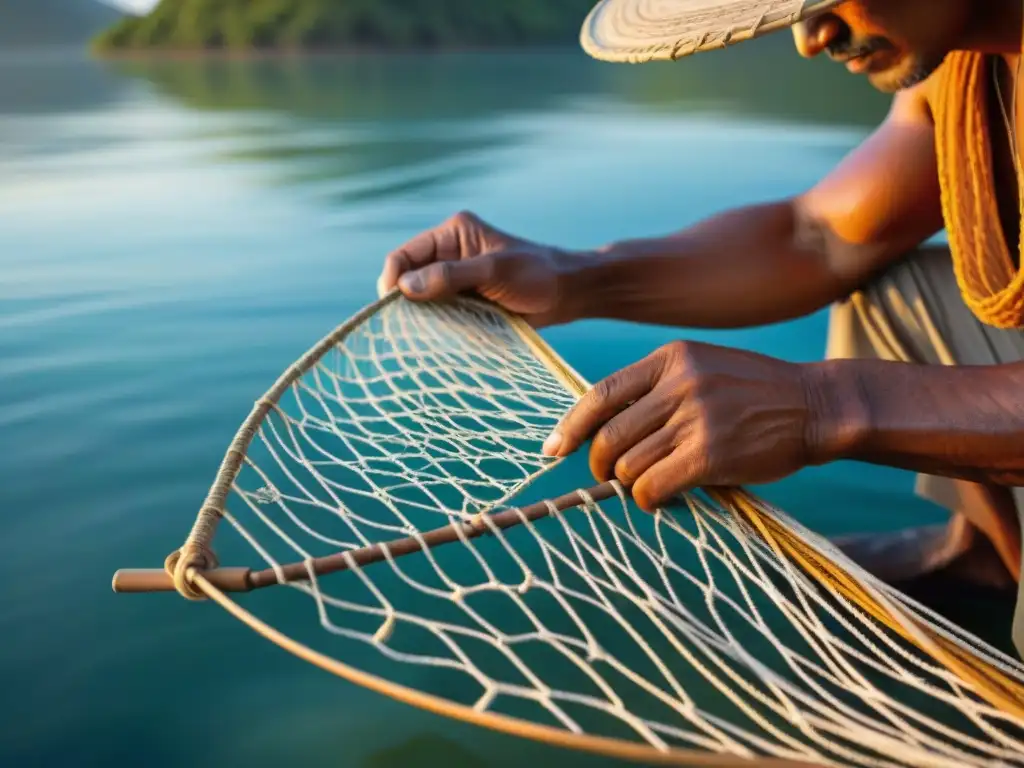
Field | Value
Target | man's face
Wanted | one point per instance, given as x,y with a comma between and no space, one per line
895,43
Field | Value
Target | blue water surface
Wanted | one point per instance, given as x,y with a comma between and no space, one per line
173,235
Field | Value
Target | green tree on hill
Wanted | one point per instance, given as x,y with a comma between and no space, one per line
338,24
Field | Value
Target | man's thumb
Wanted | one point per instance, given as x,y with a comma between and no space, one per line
443,279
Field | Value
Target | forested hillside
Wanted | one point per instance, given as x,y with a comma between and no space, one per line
347,24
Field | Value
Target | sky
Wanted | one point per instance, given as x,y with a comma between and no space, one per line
135,6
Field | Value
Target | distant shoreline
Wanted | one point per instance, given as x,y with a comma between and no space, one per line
253,54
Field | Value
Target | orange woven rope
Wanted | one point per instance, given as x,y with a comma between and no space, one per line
991,285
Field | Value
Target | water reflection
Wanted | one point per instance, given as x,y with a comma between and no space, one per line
366,128
392,87
763,79
55,81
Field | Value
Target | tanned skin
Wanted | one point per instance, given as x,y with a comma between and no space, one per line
692,414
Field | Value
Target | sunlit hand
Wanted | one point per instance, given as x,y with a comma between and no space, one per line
465,254
691,415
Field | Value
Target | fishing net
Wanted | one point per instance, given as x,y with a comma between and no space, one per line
389,510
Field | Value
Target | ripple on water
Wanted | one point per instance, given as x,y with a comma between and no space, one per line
168,249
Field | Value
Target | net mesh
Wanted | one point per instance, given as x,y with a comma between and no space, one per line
680,630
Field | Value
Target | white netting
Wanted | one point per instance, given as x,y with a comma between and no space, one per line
679,630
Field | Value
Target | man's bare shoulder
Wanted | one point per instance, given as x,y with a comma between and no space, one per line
884,197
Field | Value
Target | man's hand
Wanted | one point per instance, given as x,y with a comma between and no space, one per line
466,254
691,415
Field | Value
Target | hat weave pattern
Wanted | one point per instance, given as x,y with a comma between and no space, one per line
643,30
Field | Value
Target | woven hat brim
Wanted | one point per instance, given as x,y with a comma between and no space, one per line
635,31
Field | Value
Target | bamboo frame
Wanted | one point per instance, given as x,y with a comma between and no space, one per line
192,572
195,554
246,579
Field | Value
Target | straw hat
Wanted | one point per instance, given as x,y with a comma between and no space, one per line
646,30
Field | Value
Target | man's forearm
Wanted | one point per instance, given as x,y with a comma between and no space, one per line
751,266
956,421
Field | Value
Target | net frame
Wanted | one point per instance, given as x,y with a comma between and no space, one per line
193,571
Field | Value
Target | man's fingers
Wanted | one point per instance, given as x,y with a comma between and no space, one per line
643,455
443,279
395,264
439,244
625,432
681,470
601,403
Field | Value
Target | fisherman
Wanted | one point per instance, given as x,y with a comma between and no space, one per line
924,362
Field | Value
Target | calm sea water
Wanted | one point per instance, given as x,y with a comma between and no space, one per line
173,235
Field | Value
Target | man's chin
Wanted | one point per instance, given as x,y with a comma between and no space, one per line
887,82
903,75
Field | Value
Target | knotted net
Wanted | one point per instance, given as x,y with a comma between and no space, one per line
391,490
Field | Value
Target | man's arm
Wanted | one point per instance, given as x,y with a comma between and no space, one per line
735,417
958,421
776,261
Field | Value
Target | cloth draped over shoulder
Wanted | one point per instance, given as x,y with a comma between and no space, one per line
991,284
